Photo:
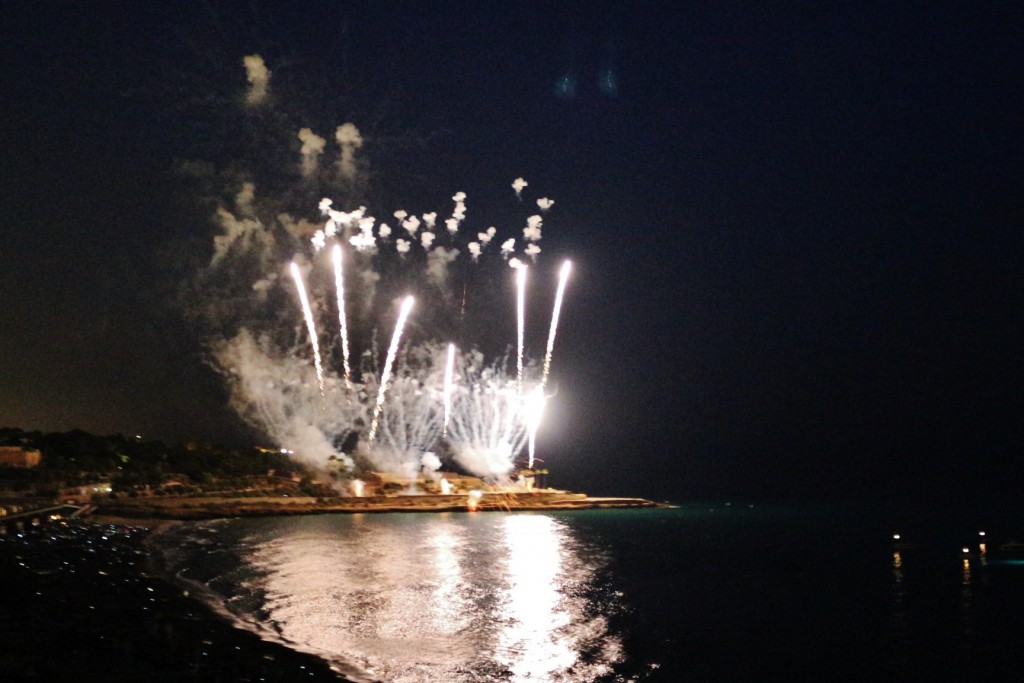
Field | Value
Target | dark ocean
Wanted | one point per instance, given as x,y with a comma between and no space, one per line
710,592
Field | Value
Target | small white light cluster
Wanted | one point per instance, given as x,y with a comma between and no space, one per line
418,228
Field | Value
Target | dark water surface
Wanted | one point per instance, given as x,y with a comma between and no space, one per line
698,593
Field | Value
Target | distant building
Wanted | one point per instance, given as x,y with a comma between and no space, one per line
16,456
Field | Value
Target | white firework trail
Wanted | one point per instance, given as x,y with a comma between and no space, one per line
563,278
410,419
339,285
307,312
449,371
386,375
534,409
488,424
521,324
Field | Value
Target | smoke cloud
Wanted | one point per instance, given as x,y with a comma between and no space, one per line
349,139
258,75
312,147
518,184
437,265
244,233
279,395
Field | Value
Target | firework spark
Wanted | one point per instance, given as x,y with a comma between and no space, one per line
563,278
520,324
339,285
534,409
449,370
307,312
386,375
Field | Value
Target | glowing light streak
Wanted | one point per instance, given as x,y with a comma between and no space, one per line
563,278
487,427
521,324
533,643
339,285
417,601
447,606
386,375
534,409
449,371
307,312
411,419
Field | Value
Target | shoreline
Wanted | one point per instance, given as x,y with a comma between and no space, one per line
345,671
93,587
160,510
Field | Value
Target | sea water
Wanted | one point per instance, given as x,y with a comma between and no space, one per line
711,592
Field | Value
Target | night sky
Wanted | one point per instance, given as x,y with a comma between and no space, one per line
796,229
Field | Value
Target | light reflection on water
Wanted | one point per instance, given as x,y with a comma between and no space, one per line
681,596
449,597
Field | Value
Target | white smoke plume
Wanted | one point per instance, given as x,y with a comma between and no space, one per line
411,224
349,139
368,279
437,265
532,230
319,240
279,394
300,229
363,241
459,213
518,184
243,234
312,147
244,200
262,286
258,75
486,237
431,464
